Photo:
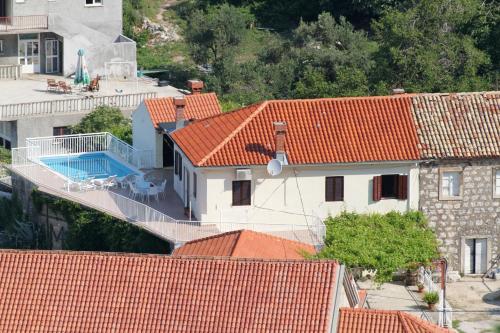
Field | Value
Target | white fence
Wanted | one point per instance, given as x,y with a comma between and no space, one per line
82,143
73,105
10,72
445,311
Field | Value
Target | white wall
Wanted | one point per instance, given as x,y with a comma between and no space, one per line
297,195
145,136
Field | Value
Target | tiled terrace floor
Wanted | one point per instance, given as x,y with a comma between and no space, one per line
35,86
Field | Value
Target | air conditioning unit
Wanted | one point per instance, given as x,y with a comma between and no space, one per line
243,174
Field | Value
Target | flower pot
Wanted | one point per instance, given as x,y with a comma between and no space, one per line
431,307
421,289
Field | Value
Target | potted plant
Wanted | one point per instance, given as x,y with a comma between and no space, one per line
420,287
431,298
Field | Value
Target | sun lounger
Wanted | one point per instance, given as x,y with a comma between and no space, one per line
52,85
65,88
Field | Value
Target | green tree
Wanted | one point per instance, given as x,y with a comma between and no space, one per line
384,243
105,119
424,48
213,36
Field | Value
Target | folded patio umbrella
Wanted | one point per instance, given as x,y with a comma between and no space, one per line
82,72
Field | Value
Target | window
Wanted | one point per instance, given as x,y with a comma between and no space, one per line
93,2
451,184
178,164
242,191
334,188
390,187
195,184
62,130
7,144
496,183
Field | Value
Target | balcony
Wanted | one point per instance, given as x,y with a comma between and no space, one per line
21,23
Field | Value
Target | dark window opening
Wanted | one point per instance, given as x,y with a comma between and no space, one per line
334,188
195,184
242,191
7,144
62,130
389,186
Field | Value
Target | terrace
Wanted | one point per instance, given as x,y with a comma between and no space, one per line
124,94
24,23
163,217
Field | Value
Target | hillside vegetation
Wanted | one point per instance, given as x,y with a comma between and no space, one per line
254,50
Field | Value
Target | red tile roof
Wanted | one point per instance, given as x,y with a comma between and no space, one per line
199,106
246,244
464,125
97,292
331,130
383,321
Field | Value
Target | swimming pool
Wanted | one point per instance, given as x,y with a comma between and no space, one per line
78,167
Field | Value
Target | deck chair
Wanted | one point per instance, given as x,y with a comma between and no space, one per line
65,88
52,85
94,84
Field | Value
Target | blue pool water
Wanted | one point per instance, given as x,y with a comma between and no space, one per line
78,167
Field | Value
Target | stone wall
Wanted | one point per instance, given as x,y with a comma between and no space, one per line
475,215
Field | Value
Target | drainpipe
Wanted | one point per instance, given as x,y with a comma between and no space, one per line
443,264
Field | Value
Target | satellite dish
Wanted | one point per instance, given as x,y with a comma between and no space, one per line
274,167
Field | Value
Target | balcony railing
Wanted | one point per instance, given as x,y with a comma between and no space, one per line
86,143
16,23
73,105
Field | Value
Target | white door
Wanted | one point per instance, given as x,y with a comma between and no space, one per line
29,55
475,256
481,256
51,56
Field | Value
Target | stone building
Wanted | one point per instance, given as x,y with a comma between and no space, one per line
459,138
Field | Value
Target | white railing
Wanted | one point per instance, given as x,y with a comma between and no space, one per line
445,311
10,72
146,217
73,105
83,143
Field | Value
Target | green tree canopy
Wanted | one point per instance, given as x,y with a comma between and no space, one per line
105,119
384,243
424,48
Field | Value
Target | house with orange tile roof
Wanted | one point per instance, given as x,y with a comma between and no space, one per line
59,291
154,118
356,154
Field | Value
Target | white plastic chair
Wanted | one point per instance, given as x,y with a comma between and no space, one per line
161,189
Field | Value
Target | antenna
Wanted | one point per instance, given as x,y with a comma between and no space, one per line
274,167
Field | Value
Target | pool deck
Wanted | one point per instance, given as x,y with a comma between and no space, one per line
164,218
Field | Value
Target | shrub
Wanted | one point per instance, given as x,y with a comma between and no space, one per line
431,297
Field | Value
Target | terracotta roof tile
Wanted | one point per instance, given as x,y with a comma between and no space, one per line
464,125
246,244
199,106
332,130
97,292
383,321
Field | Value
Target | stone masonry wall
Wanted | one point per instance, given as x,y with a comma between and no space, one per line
475,215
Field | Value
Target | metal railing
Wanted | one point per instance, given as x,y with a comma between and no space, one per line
445,311
146,217
81,143
30,22
73,105
10,72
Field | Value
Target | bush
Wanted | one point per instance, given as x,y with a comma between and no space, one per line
106,119
385,243
431,297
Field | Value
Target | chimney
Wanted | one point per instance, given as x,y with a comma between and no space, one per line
398,91
180,117
280,128
196,86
